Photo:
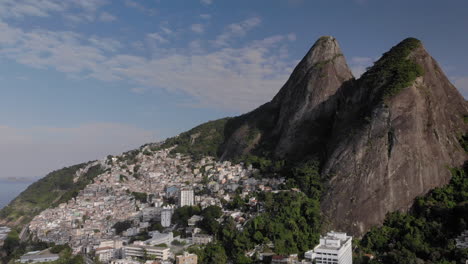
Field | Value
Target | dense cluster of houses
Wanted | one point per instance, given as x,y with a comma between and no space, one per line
142,189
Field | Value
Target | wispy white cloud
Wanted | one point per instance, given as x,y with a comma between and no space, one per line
205,16
292,37
105,44
237,30
236,78
197,28
47,148
206,2
157,37
166,30
139,90
82,10
359,65
107,17
140,7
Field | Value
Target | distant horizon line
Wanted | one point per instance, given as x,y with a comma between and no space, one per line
20,179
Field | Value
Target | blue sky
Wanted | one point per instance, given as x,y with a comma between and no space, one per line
85,78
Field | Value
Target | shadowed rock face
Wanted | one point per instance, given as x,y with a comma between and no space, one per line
379,149
401,150
302,105
305,98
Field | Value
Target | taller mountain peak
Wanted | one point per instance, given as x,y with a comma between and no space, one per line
406,120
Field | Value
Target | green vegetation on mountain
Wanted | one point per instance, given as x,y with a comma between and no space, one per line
203,140
182,214
464,142
291,222
427,233
213,253
55,188
394,71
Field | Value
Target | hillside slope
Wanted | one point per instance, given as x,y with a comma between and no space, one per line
55,188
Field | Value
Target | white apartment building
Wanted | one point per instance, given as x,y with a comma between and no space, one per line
105,254
334,248
166,215
138,251
201,239
158,238
186,197
38,257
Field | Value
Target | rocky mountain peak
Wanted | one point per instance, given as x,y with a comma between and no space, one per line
325,48
406,120
304,99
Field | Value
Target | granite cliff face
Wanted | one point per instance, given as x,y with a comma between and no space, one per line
383,139
298,117
401,149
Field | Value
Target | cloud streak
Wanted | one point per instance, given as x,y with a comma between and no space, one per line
359,65
233,78
83,9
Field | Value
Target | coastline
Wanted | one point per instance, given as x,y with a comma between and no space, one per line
10,189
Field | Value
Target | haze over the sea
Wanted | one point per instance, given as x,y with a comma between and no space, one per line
9,190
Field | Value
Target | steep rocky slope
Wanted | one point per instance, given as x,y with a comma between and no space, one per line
390,146
296,120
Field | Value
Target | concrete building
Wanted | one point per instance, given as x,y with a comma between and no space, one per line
166,216
201,239
186,197
333,248
124,261
462,240
187,258
105,254
192,221
158,238
39,256
139,251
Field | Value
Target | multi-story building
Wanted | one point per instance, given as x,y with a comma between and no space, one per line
187,258
38,257
166,215
158,238
186,197
192,221
334,248
462,240
124,261
139,251
105,254
201,239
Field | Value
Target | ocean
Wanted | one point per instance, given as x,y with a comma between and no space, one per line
9,190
